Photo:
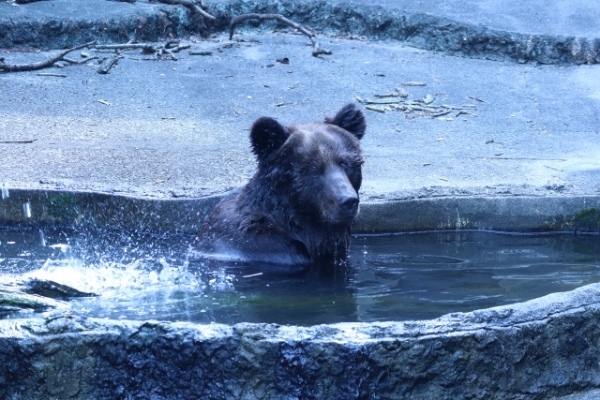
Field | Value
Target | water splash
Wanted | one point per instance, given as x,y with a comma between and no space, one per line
42,239
113,279
5,194
27,209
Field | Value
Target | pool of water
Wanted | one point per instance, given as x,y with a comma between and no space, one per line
397,277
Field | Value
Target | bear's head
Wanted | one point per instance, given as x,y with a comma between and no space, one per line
310,174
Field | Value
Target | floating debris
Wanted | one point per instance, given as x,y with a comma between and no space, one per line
252,275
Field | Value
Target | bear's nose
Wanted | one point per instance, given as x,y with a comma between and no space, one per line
350,204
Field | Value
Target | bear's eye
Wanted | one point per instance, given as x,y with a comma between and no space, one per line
348,165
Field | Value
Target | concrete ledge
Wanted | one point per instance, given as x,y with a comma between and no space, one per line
429,32
510,213
44,25
533,350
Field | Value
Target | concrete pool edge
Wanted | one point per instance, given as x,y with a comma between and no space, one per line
511,213
537,349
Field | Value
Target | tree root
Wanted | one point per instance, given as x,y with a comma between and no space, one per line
4,67
317,51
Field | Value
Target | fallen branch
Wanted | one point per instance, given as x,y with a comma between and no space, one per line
52,74
17,141
192,5
4,67
317,51
166,50
26,1
79,62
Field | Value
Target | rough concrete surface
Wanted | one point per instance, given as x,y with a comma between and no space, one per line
531,350
179,128
160,140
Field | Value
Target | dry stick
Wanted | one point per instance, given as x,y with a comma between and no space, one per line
17,141
79,62
52,74
144,46
189,4
41,64
280,18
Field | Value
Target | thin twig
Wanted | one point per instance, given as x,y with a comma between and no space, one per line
51,74
4,67
189,4
79,62
17,141
127,46
317,51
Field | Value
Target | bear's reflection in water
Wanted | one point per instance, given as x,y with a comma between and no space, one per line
321,293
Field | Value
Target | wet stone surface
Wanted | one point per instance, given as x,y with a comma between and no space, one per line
488,354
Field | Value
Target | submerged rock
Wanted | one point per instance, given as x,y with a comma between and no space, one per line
35,294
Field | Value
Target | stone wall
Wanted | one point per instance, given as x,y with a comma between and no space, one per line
59,25
534,350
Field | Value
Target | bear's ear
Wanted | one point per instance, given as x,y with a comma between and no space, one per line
351,118
266,136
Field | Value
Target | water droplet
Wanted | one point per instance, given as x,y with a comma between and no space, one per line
27,209
42,239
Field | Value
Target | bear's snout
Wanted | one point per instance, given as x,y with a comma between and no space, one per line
342,209
349,205
341,205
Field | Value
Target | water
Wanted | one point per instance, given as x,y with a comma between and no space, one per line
411,276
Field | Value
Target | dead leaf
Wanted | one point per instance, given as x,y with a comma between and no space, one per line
428,99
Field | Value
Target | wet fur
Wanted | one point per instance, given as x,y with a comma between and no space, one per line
287,212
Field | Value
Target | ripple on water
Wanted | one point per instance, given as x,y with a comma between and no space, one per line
386,278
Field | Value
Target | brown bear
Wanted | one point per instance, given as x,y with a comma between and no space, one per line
302,200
